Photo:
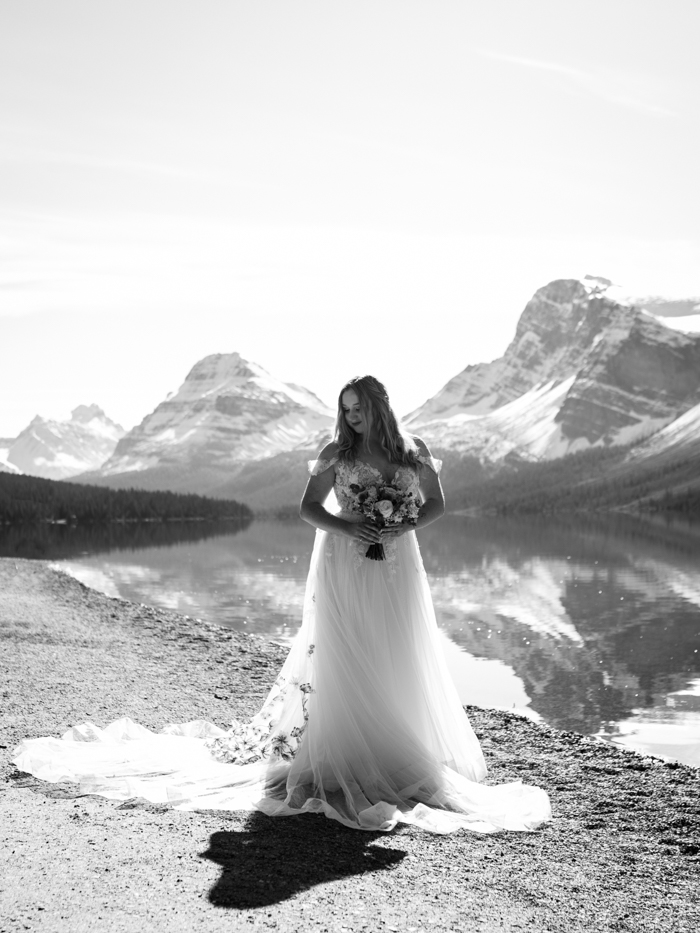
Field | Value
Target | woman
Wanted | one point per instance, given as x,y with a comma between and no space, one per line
363,723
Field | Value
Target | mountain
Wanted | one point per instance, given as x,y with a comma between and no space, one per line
583,370
586,373
61,449
215,436
680,437
5,444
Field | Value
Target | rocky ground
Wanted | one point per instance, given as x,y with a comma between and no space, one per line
621,854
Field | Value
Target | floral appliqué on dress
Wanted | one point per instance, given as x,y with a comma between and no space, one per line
260,739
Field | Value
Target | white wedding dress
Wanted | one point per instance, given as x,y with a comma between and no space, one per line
363,723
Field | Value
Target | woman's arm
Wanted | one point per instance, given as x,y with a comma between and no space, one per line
313,511
433,506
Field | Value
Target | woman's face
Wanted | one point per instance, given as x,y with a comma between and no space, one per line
353,412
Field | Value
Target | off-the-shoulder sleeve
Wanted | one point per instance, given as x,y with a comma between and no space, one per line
320,466
434,464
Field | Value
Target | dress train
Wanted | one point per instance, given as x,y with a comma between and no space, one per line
362,724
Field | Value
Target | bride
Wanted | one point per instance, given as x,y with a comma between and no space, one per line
363,723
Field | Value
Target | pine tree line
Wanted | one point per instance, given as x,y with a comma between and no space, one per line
31,499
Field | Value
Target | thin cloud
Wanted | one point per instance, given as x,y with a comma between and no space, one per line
23,143
108,164
21,286
33,153
613,87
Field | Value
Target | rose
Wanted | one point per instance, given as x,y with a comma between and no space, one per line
385,508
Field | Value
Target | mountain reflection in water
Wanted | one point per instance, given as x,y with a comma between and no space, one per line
590,623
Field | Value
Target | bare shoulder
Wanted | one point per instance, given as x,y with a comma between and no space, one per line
329,451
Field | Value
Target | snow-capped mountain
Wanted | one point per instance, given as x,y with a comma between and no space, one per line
62,449
583,370
227,413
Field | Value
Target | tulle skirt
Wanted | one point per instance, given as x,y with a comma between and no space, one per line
363,723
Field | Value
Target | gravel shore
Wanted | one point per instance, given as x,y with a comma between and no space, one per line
621,854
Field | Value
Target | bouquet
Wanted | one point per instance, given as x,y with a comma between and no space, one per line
385,504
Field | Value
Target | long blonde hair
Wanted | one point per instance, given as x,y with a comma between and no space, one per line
378,414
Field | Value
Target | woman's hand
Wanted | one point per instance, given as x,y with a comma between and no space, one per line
395,531
364,531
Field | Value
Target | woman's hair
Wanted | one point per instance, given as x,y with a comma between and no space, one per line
378,415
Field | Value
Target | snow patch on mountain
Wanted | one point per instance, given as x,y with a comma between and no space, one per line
5,465
661,306
527,427
683,433
689,323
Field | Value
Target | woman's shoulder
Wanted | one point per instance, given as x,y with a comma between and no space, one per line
424,455
421,448
327,457
329,452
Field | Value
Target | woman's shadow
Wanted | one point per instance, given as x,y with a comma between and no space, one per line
274,859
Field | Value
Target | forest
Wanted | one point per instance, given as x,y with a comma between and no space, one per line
31,499
590,480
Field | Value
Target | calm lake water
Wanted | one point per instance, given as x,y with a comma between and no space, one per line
589,624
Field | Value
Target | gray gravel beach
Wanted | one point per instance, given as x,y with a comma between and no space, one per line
621,854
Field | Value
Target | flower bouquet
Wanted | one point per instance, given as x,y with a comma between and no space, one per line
385,504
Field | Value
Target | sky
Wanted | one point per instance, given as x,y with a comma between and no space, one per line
328,187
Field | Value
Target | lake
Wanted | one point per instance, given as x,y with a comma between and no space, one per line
590,624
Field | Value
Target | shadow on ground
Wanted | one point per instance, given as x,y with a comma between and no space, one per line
271,860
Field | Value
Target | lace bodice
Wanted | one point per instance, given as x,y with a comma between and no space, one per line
363,474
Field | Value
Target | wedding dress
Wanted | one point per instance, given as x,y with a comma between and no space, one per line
362,724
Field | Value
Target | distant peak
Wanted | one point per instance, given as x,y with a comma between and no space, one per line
582,290
588,283
85,413
224,365
562,290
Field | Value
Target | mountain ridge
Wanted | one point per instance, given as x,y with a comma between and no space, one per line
54,449
228,413
582,370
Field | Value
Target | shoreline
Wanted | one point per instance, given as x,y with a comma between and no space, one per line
622,852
